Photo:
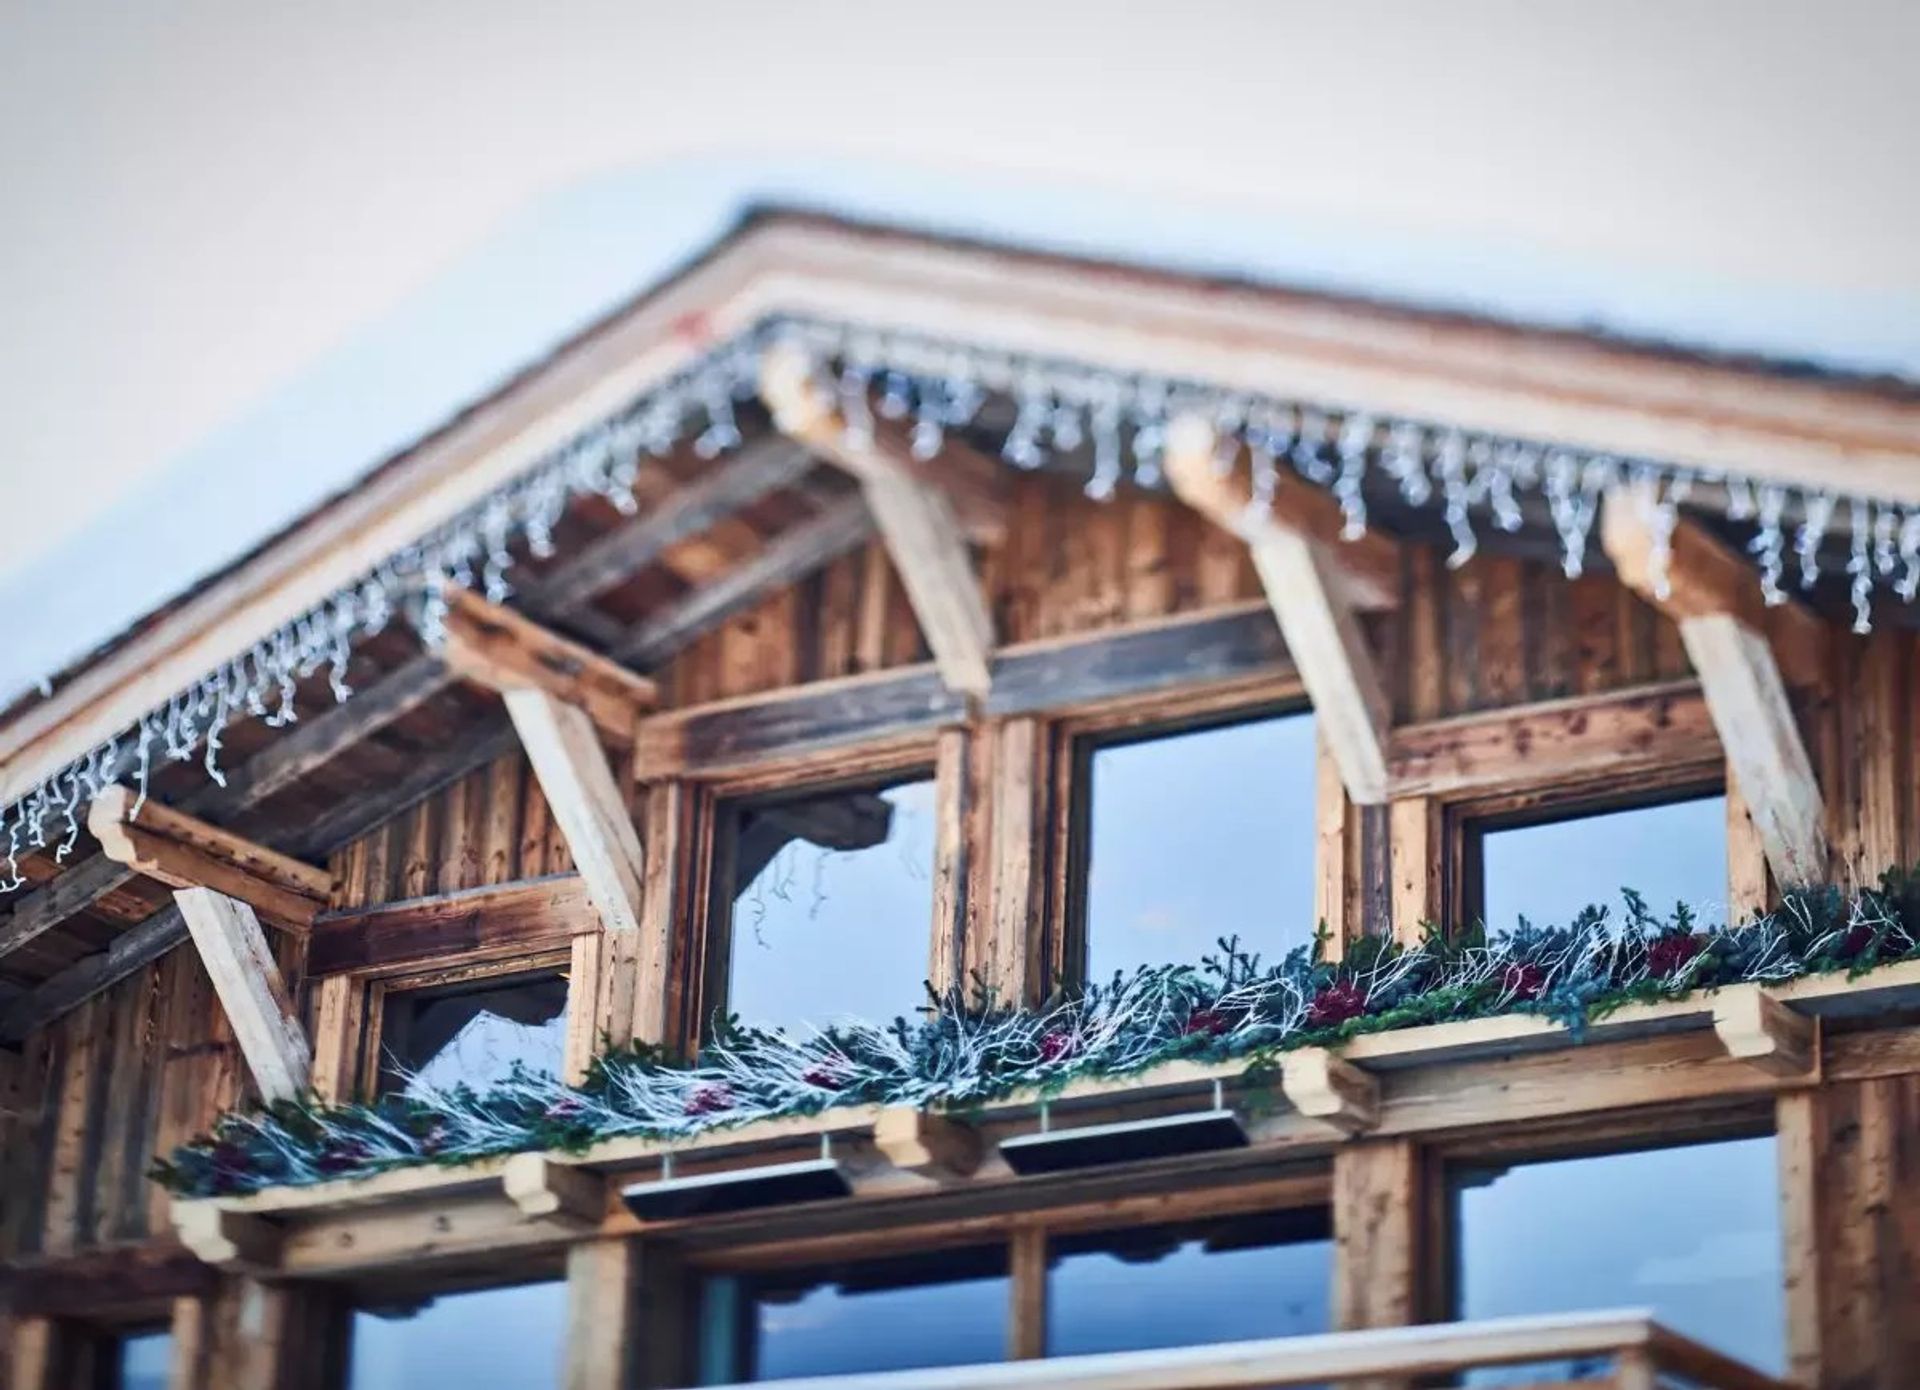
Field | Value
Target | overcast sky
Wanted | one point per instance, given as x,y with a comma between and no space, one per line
247,250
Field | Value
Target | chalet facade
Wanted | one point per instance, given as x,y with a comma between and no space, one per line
865,626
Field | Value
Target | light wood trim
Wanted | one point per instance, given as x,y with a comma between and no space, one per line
1713,596
247,981
184,852
507,652
1312,598
923,535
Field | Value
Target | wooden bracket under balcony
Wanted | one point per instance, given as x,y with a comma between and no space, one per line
226,1239
541,1187
1756,1027
934,1146
1324,1086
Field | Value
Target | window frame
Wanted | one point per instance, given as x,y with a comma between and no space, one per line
706,856
1468,822
380,989
1075,739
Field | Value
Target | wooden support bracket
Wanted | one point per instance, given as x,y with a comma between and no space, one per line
1715,599
1755,1027
230,1240
1325,1087
251,991
917,519
182,851
1312,589
542,1188
931,1145
509,652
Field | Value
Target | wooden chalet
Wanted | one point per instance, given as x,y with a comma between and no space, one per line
853,569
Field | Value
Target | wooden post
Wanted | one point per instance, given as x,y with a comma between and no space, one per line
37,1355
250,989
1798,1141
602,1314
1027,1268
191,1331
1379,1238
1416,844
339,1022
1335,897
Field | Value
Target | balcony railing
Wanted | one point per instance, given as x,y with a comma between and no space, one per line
1627,1351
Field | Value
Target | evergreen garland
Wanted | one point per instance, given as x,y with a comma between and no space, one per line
964,1052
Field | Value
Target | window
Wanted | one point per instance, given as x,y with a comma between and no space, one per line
142,1362
500,1336
1547,871
941,1308
1198,835
434,1036
812,884
1692,1232
1225,1280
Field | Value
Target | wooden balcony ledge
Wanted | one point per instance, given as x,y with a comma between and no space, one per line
1638,1350
1744,1041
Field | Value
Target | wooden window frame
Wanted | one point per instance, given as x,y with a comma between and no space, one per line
706,931
1075,739
1466,823
378,988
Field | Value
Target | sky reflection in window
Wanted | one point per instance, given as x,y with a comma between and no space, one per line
144,1361
1228,1280
1198,836
943,1308
834,914
1667,854
506,1337
1692,1232
438,1039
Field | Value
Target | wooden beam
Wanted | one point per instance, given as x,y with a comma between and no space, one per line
1312,596
510,653
507,918
1640,729
1713,597
789,557
723,487
1234,647
250,990
586,802
184,852
104,1281
1757,1028
924,537
1320,1085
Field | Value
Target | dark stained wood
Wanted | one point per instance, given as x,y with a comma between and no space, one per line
106,1281
515,916
130,951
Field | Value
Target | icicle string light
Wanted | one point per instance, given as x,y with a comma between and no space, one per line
1110,425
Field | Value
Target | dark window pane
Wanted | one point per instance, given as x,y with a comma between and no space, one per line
825,883
509,1336
943,1308
1692,1232
1228,1280
473,1033
1667,854
144,1361
1198,836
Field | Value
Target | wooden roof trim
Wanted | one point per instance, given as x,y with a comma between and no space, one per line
1495,377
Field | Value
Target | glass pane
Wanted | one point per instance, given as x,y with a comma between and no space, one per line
945,1308
510,1336
144,1361
827,881
436,1039
1668,854
1691,1232
1198,836
1229,1280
